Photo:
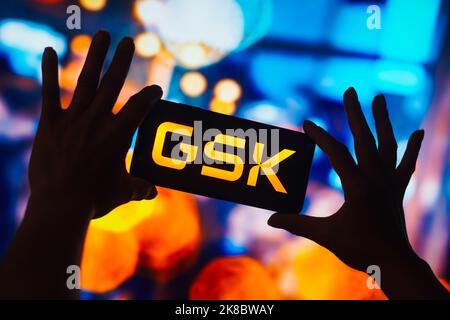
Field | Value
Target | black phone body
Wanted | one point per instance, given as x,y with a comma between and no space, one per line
207,153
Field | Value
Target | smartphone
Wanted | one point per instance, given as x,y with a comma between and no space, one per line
225,157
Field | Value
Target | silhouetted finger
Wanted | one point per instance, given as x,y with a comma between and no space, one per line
90,74
137,108
408,163
387,145
113,80
142,189
50,86
300,225
338,154
364,141
129,189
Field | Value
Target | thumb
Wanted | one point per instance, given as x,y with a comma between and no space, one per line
133,189
309,227
142,189
138,106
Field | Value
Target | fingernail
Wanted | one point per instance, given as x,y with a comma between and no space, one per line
157,91
380,97
156,87
421,133
152,193
103,36
308,123
273,221
127,39
350,93
101,32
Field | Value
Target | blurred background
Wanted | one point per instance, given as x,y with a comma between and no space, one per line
274,61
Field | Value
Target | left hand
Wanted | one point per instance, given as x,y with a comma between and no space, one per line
78,155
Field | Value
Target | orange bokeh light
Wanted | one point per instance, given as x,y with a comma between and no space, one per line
80,45
305,270
220,106
193,84
445,283
321,275
233,278
161,235
109,258
129,88
227,90
69,74
148,44
93,5
169,237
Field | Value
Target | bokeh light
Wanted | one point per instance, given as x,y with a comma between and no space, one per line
163,249
248,232
149,12
69,74
80,45
200,52
305,270
93,5
198,37
234,278
193,84
147,44
125,217
109,258
170,235
223,107
192,55
24,55
133,235
201,32
227,90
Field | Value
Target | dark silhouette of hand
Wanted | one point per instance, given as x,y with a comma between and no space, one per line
79,153
77,171
369,228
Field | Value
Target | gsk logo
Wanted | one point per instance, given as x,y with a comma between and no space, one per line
214,150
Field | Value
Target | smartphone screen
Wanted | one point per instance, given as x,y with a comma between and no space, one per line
207,153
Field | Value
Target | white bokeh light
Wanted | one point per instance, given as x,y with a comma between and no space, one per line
217,24
200,32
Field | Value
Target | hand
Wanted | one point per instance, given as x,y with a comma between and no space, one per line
77,171
369,228
79,153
